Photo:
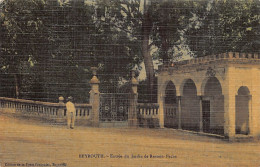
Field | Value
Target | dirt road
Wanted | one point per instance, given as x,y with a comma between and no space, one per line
30,143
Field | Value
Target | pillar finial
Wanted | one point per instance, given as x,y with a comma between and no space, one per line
61,99
133,80
94,79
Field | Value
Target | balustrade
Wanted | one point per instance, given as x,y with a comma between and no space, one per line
83,110
170,111
148,110
43,109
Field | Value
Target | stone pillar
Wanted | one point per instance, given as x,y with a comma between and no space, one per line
94,98
60,114
229,91
201,115
161,110
250,114
179,112
132,113
229,115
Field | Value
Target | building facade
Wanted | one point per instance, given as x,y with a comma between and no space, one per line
217,94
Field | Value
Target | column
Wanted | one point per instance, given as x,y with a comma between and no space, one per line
179,111
161,110
250,114
229,115
201,115
94,98
132,113
229,90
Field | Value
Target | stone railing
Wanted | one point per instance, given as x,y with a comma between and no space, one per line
234,56
148,114
148,110
47,110
83,110
170,110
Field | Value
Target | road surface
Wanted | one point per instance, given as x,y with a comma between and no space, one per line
25,142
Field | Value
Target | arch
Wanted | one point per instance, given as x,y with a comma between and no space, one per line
188,86
163,86
212,87
212,106
243,90
190,106
170,93
205,81
242,110
170,105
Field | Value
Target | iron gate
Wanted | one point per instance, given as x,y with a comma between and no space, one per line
114,107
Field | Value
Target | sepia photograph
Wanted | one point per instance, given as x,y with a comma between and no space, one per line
129,83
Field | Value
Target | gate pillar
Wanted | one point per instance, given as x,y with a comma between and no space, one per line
132,113
94,97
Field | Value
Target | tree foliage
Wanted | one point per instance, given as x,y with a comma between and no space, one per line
55,44
226,26
49,46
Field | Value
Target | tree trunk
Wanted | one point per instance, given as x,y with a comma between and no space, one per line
165,45
148,61
16,85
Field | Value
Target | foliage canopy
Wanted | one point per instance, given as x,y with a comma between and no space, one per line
49,46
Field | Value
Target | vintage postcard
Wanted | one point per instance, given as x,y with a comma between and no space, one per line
129,83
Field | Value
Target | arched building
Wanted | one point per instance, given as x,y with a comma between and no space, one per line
217,94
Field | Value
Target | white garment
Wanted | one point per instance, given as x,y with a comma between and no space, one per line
70,114
70,107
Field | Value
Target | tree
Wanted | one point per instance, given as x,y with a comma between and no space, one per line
170,19
146,31
58,43
226,26
153,23
67,63
20,27
118,46
49,46
132,20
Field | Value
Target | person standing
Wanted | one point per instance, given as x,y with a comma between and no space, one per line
71,110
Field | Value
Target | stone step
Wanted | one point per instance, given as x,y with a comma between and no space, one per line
243,138
117,124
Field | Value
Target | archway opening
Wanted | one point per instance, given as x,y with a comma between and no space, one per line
170,106
242,110
213,107
190,115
